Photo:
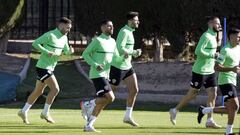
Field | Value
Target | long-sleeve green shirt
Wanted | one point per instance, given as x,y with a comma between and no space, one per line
229,58
52,41
125,43
205,51
101,51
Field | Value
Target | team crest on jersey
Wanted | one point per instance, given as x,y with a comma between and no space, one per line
230,93
106,87
195,83
114,80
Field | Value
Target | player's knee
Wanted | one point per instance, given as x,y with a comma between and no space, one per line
38,93
134,90
194,94
236,107
56,90
111,98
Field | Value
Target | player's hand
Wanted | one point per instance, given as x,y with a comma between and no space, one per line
126,55
236,69
216,55
50,54
71,49
99,67
139,52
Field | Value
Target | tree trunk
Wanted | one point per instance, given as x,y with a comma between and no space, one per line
158,56
3,43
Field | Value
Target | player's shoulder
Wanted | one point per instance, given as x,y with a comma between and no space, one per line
112,39
207,35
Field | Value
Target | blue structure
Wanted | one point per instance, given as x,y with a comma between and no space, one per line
8,85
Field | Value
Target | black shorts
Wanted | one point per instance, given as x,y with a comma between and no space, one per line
199,80
43,74
116,75
228,91
101,85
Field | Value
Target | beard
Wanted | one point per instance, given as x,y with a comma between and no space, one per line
109,33
216,29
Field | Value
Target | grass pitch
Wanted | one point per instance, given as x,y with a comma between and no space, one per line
69,121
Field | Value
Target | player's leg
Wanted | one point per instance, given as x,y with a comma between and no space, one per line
54,90
211,89
232,106
115,77
132,86
104,96
196,83
38,90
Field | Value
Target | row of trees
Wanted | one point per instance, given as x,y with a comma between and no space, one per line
172,19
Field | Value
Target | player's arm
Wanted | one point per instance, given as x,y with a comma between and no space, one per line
121,43
37,44
117,57
88,51
67,50
221,68
137,53
201,48
220,61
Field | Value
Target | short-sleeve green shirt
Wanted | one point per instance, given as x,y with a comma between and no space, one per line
230,57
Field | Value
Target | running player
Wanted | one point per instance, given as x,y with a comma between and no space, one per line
203,73
228,67
124,70
99,55
51,45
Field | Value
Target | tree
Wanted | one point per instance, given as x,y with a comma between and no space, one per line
172,19
10,11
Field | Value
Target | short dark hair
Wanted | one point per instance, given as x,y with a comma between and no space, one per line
64,20
104,22
211,18
232,30
130,15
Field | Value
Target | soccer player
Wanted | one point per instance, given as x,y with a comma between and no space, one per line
99,55
124,70
203,73
51,45
228,67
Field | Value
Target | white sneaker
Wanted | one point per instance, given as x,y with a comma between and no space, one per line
23,116
212,124
90,129
48,118
173,115
130,121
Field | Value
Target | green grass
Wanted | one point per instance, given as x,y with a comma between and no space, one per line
153,117
69,121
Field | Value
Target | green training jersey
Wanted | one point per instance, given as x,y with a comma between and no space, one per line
125,43
101,51
229,58
205,51
52,41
